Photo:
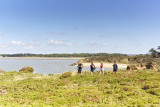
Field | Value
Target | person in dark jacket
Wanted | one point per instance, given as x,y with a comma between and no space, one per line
80,66
115,67
92,66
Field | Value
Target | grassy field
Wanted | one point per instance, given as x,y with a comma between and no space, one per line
125,88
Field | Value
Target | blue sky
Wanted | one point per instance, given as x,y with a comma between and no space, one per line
79,26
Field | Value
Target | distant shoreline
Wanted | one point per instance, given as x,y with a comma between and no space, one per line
44,58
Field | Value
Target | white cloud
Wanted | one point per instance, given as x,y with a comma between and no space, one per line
1,33
56,42
69,44
17,43
22,45
105,44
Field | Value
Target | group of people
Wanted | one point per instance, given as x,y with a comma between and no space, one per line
93,67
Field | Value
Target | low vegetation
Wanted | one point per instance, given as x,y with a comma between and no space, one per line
26,70
125,88
66,74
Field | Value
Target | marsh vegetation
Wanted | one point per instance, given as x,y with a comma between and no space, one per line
125,88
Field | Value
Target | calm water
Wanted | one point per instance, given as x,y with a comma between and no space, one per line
40,66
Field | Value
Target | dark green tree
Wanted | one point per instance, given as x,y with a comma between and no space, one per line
158,48
158,52
153,52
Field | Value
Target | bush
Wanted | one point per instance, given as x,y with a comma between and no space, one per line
146,87
153,92
66,75
149,65
131,67
125,89
27,70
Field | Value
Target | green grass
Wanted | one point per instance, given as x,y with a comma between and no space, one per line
125,88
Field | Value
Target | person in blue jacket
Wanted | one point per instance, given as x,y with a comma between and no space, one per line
115,67
92,66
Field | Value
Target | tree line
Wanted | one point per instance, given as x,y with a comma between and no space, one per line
153,52
62,55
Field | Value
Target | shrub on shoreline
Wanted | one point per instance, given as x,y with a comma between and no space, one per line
26,70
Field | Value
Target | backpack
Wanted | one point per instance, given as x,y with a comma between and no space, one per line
94,67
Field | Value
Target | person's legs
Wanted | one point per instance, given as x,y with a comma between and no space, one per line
114,71
103,71
100,71
91,71
79,71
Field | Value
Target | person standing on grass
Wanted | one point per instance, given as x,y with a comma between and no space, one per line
101,68
115,67
80,66
92,66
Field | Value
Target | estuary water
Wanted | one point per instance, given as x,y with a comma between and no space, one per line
45,66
